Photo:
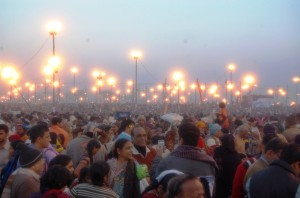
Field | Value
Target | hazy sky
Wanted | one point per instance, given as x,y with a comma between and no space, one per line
200,36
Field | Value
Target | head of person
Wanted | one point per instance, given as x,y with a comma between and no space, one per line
20,130
243,131
273,149
228,142
185,186
32,159
291,121
291,155
40,136
92,148
99,173
114,127
16,145
139,136
222,105
84,175
56,121
123,149
127,125
63,160
3,133
160,184
141,120
57,177
189,134
215,130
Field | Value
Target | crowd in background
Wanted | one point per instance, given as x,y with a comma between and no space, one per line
214,151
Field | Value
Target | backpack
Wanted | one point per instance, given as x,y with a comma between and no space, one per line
10,167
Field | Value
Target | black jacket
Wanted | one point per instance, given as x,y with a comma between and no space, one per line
278,180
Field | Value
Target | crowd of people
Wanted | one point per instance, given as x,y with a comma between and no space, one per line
220,153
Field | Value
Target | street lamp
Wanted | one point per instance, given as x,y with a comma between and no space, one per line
99,77
177,77
74,71
136,55
231,68
193,87
53,28
111,81
11,75
296,80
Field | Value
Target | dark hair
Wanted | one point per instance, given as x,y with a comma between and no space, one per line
84,175
90,146
131,182
164,183
189,133
125,124
56,177
222,105
56,120
53,137
291,154
4,127
37,131
267,138
297,139
275,145
119,144
175,184
60,159
98,171
228,143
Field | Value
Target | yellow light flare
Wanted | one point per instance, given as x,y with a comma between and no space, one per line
143,94
193,86
118,91
8,72
245,86
100,83
237,93
249,79
213,89
160,87
111,81
202,87
53,27
54,62
151,89
94,89
136,55
74,70
128,91
231,67
56,84
270,91
296,79
230,86
177,76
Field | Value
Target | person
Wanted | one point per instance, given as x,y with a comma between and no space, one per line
54,182
281,178
187,157
99,175
77,147
21,131
291,128
63,160
184,186
142,123
241,135
56,127
17,147
26,180
227,159
125,129
40,140
271,151
87,158
142,153
158,188
123,179
213,139
4,145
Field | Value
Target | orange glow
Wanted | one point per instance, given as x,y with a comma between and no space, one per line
74,70
177,76
231,67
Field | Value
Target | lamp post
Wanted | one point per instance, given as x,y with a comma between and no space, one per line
231,68
53,28
99,77
296,80
74,71
111,81
136,55
177,77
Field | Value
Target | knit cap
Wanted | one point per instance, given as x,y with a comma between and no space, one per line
213,128
29,157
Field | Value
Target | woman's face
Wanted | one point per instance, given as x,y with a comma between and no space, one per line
126,151
70,167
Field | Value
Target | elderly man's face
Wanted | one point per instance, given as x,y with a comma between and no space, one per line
139,137
192,189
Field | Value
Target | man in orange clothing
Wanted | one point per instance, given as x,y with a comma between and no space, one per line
56,128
